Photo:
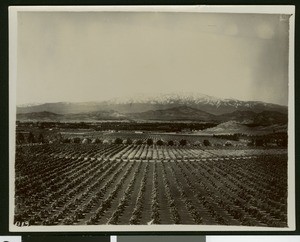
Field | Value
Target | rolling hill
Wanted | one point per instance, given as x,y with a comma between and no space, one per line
259,119
89,116
176,113
234,127
39,116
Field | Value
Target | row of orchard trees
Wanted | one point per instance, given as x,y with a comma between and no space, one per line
128,141
182,142
30,138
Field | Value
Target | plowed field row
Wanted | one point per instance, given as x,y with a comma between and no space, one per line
74,184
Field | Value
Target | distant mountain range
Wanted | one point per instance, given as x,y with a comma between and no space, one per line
175,107
182,113
145,103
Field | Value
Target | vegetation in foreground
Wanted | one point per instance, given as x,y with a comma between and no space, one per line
86,177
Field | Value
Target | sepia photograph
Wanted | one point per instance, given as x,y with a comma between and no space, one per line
170,118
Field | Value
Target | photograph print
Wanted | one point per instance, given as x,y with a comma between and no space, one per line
151,118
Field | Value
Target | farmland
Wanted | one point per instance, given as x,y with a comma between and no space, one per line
145,182
135,120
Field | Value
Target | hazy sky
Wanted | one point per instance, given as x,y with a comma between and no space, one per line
91,56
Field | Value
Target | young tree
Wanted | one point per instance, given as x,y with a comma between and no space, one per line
98,141
60,137
228,143
206,142
86,141
30,138
66,141
118,141
76,140
170,142
20,138
149,141
41,138
129,141
139,142
283,142
259,142
251,143
183,142
160,142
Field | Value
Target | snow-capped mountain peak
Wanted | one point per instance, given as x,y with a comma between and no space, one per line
169,98
158,101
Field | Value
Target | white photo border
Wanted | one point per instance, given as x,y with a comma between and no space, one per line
257,9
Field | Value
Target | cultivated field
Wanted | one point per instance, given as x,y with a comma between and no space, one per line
77,184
